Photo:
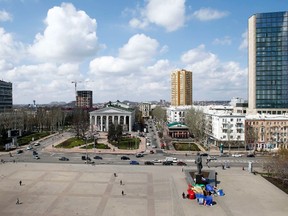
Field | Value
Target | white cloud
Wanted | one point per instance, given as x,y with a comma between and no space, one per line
10,50
70,35
206,14
213,79
223,41
5,16
169,14
244,43
133,74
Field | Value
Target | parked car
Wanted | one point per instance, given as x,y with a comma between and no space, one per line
19,151
157,161
29,147
133,162
36,157
138,155
64,159
98,157
236,155
167,163
35,152
151,152
148,163
204,154
125,158
181,163
250,155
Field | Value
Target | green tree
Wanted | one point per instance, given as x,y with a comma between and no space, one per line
195,121
159,113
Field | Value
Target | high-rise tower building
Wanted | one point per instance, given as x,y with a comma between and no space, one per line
84,99
6,99
181,88
268,63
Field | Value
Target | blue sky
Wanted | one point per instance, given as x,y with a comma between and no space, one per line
125,50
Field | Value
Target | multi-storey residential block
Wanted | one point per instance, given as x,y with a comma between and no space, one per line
177,114
268,63
181,88
266,132
6,98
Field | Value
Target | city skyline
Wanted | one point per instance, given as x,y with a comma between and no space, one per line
125,52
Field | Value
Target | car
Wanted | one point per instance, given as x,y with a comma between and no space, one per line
148,163
157,161
133,162
167,163
29,147
204,154
64,159
37,144
138,155
19,151
36,157
85,158
236,155
151,152
250,155
98,157
181,163
125,158
154,146
35,152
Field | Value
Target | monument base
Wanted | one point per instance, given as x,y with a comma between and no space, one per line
199,179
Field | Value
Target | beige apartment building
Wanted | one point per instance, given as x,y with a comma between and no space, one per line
84,99
266,132
181,88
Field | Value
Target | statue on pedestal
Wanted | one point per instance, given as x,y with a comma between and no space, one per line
198,162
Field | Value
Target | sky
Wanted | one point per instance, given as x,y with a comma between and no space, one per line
125,50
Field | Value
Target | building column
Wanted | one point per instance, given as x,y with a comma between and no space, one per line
101,123
107,123
130,124
119,116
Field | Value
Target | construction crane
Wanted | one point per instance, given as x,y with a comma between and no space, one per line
75,84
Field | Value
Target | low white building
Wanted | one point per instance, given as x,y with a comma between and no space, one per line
177,113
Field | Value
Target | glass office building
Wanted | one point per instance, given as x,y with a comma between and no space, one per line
6,101
268,63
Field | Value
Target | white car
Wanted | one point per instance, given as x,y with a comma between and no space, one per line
157,161
29,148
236,155
37,144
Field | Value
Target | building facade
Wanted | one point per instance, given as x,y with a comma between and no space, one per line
268,63
145,109
6,98
84,99
181,88
266,132
102,118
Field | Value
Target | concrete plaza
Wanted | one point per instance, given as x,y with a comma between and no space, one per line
79,189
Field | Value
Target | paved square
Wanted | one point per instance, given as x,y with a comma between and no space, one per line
83,190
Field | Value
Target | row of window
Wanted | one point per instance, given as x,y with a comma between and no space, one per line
272,70
283,29
273,63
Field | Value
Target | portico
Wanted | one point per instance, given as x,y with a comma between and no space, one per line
102,118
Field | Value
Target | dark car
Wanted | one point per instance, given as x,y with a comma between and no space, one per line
151,152
64,159
148,163
139,155
133,162
167,163
85,158
250,155
35,152
204,154
181,163
98,157
19,151
125,158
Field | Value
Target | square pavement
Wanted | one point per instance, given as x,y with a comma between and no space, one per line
81,189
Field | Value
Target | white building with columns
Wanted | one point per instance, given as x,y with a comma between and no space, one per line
100,119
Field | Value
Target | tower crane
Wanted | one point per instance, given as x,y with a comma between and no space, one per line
79,81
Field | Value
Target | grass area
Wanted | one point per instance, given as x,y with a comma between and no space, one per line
127,143
36,136
186,147
97,146
71,143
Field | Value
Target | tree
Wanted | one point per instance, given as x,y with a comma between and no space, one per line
159,113
80,121
251,136
195,121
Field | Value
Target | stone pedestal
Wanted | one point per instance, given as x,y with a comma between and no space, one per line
198,178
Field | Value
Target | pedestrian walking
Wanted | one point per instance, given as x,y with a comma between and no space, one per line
17,201
122,193
115,175
121,182
183,195
20,182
